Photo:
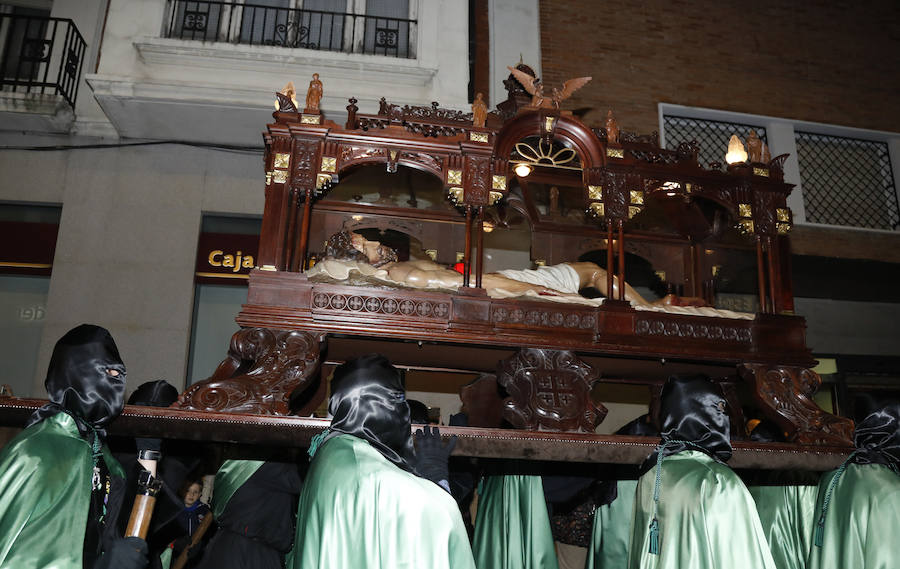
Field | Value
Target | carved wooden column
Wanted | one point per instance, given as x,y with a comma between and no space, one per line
275,213
784,394
262,369
477,181
549,390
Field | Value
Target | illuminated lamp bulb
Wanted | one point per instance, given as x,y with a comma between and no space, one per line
488,227
736,153
522,170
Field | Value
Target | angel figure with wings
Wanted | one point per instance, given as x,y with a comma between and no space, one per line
536,89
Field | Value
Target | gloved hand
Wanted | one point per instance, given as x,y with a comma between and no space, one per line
127,553
432,456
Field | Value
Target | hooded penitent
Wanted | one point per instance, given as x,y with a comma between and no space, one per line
693,415
85,379
877,437
368,401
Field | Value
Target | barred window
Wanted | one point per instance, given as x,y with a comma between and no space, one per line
847,181
712,136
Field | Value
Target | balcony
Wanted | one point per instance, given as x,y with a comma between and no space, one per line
250,24
40,55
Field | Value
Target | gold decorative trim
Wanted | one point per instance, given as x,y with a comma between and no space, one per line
226,275
549,122
493,197
328,164
268,178
615,153
540,262
322,180
746,225
454,177
637,197
457,194
744,210
633,210
478,137
393,154
595,192
598,209
268,268
279,176
431,254
783,214
498,182
661,275
783,228
282,160
757,171
310,119
543,154
25,265
460,256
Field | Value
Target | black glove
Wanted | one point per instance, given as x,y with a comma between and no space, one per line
127,553
432,456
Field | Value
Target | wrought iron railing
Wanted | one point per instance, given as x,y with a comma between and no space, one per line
847,181
252,24
42,55
711,136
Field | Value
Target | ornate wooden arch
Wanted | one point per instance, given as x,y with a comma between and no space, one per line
566,128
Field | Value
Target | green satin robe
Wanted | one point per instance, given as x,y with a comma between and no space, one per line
45,491
229,478
862,527
512,526
358,509
611,537
707,518
787,514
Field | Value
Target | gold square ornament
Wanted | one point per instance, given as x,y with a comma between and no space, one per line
322,180
598,209
282,160
454,177
637,197
310,119
595,192
328,164
498,182
615,153
760,171
744,210
478,136
493,197
279,176
633,210
783,214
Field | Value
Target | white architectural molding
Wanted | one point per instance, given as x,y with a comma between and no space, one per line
279,61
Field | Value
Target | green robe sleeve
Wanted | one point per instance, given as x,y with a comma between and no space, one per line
707,518
611,537
45,488
357,509
787,517
229,478
512,527
861,527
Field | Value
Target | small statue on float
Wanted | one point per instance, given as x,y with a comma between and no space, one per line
286,99
757,149
536,89
313,94
479,111
612,129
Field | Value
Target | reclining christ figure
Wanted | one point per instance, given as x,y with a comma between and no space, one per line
563,280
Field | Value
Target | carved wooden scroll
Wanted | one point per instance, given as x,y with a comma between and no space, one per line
549,390
261,370
786,394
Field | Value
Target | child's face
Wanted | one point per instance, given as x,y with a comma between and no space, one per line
192,495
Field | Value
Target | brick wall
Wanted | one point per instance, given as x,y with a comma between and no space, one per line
813,60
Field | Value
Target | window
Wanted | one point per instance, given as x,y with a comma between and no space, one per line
847,181
711,135
226,253
27,244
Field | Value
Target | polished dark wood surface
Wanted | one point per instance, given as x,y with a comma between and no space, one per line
275,431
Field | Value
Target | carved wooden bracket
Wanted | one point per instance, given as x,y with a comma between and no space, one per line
261,370
549,390
785,394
